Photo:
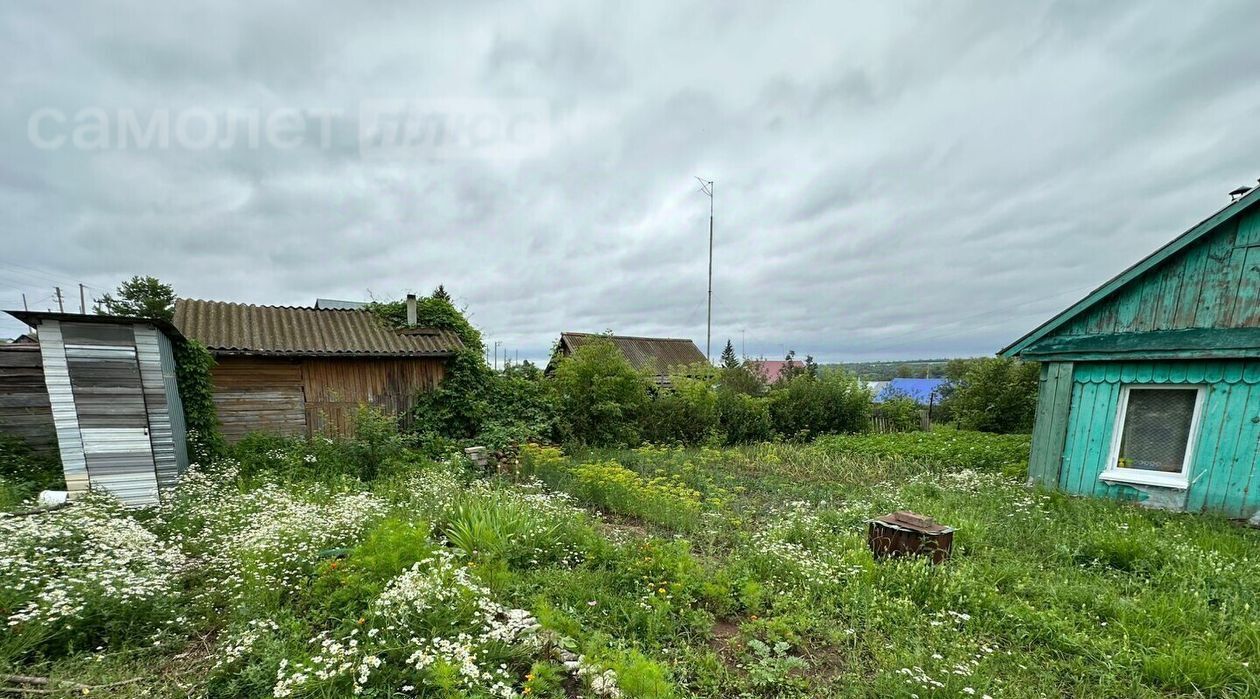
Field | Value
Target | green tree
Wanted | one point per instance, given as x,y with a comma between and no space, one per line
992,394
140,297
600,397
440,293
806,406
685,412
729,360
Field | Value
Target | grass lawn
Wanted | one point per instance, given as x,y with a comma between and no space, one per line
652,572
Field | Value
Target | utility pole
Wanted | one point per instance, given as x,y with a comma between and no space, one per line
61,306
82,300
706,186
24,306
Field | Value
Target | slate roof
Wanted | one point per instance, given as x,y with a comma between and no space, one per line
657,354
239,328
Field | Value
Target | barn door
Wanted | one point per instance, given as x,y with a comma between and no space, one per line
113,422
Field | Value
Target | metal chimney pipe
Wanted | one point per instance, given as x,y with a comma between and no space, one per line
411,310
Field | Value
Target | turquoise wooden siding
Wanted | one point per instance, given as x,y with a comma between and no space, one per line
1225,472
1215,283
1054,395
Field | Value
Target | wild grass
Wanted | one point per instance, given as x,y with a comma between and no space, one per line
651,572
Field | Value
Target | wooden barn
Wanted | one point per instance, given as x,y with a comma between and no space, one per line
658,356
111,400
304,371
1150,385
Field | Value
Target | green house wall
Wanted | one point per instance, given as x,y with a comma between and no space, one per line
1192,317
1225,472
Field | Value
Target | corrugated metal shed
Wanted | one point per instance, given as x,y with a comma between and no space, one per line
238,328
115,404
659,355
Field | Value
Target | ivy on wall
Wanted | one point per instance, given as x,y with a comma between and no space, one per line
193,363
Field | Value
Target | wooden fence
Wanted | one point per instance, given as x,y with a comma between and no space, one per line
25,412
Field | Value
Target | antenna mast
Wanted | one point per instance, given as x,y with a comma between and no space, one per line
706,186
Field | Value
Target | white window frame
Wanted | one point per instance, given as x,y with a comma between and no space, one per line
1138,476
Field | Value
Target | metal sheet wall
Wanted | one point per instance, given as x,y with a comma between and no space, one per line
61,398
174,404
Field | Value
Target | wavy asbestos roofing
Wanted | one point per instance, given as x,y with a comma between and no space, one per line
240,328
656,354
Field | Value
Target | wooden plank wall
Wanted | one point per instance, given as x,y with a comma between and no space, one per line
336,387
259,394
1213,284
310,396
25,412
1225,472
1050,430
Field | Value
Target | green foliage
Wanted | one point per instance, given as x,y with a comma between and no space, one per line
686,411
458,407
193,366
805,406
943,448
729,360
600,397
140,297
519,406
743,419
375,446
902,412
743,378
992,394
23,473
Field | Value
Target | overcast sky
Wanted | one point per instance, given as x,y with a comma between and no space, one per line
895,181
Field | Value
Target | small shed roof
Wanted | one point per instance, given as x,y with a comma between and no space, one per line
239,328
34,318
656,354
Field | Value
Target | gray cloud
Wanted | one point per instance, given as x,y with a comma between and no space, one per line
917,180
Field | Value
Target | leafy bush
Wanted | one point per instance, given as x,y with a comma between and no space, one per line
520,407
685,412
193,365
992,394
601,398
663,500
806,406
902,412
743,419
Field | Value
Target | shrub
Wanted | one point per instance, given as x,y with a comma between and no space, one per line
993,394
519,407
684,413
193,364
806,406
743,419
601,397
902,412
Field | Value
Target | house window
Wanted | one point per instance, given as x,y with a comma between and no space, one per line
1156,426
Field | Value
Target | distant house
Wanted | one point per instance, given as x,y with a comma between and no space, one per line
304,371
656,355
1150,385
102,389
771,370
925,392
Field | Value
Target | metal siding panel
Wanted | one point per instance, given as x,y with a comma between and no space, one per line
174,404
161,428
61,398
